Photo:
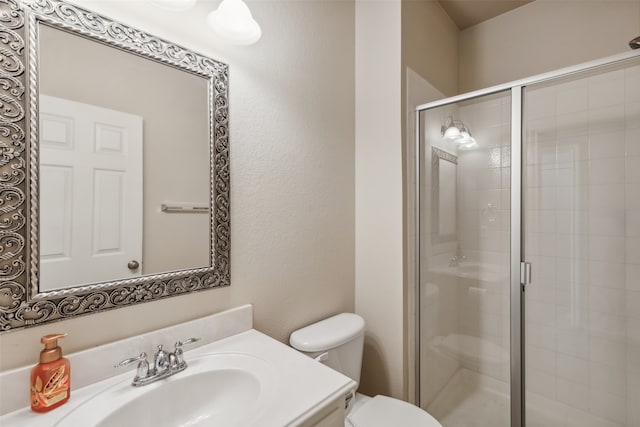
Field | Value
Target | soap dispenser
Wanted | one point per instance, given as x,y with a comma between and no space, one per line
50,385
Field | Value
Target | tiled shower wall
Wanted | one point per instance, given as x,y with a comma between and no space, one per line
582,236
484,216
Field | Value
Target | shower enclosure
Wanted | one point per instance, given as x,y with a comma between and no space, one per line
529,251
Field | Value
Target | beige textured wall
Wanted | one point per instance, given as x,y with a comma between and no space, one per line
292,175
173,105
430,44
379,194
543,36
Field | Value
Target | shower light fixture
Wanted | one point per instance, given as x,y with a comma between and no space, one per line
457,131
233,22
450,130
452,133
466,141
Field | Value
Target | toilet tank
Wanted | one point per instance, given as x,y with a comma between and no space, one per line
341,337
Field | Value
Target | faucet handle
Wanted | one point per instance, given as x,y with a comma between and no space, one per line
143,365
178,350
130,360
186,342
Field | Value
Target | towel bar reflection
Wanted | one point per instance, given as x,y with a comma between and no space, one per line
184,208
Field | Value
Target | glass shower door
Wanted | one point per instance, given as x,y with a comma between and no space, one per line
581,210
465,173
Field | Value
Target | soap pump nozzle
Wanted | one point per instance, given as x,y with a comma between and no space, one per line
52,351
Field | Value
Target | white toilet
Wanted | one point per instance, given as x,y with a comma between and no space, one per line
338,342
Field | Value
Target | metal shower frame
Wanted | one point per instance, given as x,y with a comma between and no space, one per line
517,338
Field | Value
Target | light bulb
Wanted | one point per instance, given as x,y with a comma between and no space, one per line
468,144
464,137
233,22
452,132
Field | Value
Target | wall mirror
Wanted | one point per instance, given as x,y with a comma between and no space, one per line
114,166
443,195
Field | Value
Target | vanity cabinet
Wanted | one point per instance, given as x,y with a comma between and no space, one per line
331,415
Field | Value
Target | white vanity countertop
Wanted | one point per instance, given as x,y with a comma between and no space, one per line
303,385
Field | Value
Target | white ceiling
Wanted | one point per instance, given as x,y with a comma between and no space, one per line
466,13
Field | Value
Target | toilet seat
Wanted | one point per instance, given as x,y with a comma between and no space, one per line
383,411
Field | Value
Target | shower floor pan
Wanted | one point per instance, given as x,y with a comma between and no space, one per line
471,399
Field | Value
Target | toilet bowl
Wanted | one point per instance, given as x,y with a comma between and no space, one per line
338,342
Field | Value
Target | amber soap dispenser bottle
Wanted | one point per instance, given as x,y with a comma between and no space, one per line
50,379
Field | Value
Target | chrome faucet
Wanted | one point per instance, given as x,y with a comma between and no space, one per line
161,360
458,258
164,364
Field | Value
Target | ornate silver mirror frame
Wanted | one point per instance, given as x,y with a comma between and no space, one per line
21,304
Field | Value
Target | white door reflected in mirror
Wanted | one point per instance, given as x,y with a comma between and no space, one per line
91,193
105,208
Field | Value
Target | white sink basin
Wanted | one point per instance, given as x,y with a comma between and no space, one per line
244,380
227,389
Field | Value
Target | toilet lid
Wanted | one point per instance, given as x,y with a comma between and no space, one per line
383,411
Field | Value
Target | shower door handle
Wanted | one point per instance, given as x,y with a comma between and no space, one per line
525,273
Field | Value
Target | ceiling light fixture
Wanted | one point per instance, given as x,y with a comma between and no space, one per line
233,22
